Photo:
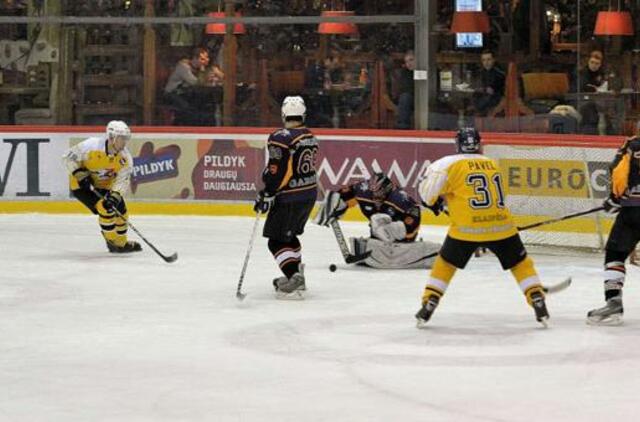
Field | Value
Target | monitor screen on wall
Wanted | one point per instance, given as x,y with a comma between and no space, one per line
471,39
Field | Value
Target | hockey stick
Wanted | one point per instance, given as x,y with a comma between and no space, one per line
543,223
239,294
555,288
556,220
349,258
169,259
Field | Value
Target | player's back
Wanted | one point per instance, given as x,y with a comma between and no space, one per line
475,197
300,180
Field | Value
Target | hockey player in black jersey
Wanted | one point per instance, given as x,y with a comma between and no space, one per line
289,194
624,201
394,219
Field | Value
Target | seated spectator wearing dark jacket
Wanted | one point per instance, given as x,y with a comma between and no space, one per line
489,86
405,91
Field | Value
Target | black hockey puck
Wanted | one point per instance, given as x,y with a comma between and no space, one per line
333,268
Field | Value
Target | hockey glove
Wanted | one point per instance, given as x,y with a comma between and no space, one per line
111,200
263,202
331,209
436,208
612,205
82,175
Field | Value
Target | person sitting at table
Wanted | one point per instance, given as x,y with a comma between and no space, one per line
187,91
404,87
591,79
489,86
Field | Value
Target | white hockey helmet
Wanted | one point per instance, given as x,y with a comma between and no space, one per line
293,107
118,128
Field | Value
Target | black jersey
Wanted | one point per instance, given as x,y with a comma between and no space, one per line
398,205
291,170
625,173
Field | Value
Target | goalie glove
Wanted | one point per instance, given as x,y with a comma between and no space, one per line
612,205
383,228
332,208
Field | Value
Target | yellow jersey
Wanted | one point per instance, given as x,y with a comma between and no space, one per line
108,171
471,186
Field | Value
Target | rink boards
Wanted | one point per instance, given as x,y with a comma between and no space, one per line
216,171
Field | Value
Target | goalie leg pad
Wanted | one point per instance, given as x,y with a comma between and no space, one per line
387,255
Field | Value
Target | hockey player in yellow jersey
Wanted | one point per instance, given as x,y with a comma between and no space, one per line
100,169
470,185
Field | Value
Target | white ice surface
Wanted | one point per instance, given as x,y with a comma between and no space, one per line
89,336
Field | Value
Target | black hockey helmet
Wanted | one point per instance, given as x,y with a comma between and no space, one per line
468,141
380,185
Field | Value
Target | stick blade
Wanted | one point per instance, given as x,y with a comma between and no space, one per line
240,296
354,259
558,287
172,258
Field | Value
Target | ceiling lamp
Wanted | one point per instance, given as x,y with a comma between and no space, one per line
466,22
221,28
337,28
613,23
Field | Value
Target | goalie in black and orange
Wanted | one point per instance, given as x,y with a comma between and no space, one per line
624,201
100,169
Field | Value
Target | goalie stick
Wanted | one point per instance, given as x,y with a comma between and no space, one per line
165,258
349,258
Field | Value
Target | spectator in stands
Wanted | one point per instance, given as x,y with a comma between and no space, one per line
489,86
591,79
187,91
405,91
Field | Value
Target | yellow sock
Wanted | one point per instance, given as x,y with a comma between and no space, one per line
527,278
121,229
441,274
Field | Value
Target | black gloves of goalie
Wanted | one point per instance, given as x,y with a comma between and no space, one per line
612,204
263,202
111,201
436,208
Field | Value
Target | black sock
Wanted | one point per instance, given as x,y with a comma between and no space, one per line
287,255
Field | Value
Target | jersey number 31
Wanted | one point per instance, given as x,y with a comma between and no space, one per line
483,198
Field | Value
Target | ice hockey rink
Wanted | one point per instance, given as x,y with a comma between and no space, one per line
89,336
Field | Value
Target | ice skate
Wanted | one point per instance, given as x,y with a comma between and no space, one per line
540,308
290,288
424,314
610,314
128,247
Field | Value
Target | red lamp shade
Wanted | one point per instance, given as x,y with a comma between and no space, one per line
614,23
220,28
338,28
465,22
